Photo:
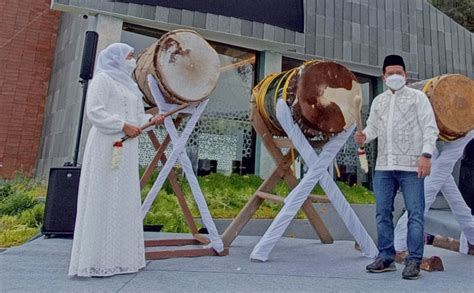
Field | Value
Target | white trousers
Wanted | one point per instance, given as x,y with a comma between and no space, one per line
442,180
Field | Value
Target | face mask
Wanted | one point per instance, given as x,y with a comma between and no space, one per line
395,81
130,65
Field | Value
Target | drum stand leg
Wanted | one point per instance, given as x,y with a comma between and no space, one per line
180,154
159,156
283,172
317,173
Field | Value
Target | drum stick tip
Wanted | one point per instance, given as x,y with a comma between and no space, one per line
358,108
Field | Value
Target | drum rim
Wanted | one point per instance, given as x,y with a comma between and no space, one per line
151,102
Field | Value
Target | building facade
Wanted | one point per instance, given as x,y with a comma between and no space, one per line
355,33
27,42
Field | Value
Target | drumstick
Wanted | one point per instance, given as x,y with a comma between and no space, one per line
116,154
181,107
237,64
358,107
361,150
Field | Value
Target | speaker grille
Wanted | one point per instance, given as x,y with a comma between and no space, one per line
61,201
88,55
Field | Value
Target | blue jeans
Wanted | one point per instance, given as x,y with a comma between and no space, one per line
386,184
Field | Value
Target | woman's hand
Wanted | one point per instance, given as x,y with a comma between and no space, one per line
158,119
360,137
131,130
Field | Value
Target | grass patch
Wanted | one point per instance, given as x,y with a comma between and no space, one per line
21,214
16,236
226,196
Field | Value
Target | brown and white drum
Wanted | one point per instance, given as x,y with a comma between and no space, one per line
452,99
184,64
320,94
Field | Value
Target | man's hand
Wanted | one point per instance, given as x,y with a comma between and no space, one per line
158,119
360,137
131,130
424,167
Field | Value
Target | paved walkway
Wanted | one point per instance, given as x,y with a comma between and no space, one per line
296,265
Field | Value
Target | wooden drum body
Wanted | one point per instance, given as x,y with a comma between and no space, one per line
452,99
184,64
319,93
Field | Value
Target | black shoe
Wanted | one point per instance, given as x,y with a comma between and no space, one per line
470,250
380,266
411,270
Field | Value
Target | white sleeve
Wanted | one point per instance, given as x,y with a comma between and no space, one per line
98,96
143,118
427,121
371,131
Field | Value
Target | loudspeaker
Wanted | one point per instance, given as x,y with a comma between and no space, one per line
61,201
236,167
206,167
88,55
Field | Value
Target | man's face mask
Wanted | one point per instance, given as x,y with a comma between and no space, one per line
395,81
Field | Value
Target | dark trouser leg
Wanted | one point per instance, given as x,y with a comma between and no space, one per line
385,188
413,193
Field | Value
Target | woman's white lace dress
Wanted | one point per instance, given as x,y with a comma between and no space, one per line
108,237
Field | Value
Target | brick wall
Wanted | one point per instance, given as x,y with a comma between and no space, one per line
27,41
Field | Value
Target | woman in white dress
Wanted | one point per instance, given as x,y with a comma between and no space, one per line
108,237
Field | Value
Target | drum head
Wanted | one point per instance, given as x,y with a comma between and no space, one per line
452,98
325,93
188,66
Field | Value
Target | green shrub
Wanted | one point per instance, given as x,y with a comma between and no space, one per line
25,183
21,215
19,194
16,203
32,217
6,190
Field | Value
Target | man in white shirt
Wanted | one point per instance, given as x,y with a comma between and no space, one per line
402,120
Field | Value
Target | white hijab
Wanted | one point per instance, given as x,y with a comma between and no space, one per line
111,61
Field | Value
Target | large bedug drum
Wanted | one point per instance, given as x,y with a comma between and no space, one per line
184,64
452,99
320,95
